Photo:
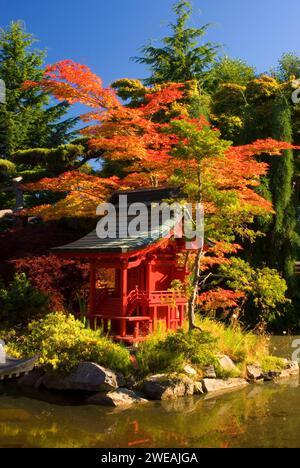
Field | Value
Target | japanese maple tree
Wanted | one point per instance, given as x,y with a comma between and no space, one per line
162,147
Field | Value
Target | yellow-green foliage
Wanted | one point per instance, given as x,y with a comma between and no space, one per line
62,342
241,346
168,351
272,363
7,167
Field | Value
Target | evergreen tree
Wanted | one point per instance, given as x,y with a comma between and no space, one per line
228,70
269,114
281,177
26,119
288,66
180,58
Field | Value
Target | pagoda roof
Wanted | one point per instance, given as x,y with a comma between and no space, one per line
91,243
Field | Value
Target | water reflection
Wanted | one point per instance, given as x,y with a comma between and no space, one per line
258,416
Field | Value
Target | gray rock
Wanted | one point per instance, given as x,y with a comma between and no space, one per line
122,397
220,386
166,387
5,213
2,353
254,372
189,370
198,388
209,372
270,376
32,379
226,363
87,376
292,369
131,383
121,379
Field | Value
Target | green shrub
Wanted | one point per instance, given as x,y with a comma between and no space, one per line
264,288
21,302
168,352
62,342
7,168
239,344
272,363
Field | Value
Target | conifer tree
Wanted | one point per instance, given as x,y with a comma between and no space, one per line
281,177
181,57
26,119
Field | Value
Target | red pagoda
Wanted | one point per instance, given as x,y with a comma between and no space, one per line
137,296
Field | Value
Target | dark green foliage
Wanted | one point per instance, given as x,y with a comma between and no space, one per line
283,248
21,302
180,58
56,160
265,291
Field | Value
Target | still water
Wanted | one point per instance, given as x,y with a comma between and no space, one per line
265,415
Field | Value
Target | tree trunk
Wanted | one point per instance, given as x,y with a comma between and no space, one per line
195,285
196,276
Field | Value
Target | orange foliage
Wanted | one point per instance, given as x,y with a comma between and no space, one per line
84,193
220,298
136,135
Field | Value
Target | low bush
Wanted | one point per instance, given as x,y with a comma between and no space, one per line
167,352
272,363
240,345
62,342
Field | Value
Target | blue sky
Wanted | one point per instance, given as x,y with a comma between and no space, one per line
104,34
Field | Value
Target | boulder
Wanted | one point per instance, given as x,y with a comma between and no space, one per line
6,213
198,388
2,353
220,386
209,372
87,376
166,387
292,369
226,363
122,397
189,370
254,372
32,379
271,375
131,383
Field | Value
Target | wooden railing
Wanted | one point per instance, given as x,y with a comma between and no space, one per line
156,297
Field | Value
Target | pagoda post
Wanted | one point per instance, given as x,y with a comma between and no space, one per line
124,296
92,298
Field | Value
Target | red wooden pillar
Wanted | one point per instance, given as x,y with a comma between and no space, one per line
124,295
181,316
168,321
148,275
92,298
154,318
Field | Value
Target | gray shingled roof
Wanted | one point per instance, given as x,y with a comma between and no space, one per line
91,243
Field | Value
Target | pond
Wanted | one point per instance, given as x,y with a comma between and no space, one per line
265,415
